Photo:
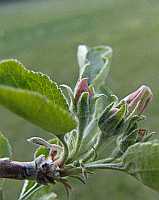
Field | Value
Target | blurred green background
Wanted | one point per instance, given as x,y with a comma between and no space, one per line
44,35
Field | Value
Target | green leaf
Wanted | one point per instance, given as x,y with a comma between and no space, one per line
83,111
82,55
94,63
42,150
33,191
37,109
28,189
5,147
14,74
142,161
111,119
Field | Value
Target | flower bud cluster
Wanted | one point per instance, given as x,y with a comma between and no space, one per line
121,118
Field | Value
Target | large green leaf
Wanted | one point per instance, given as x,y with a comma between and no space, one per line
5,147
37,109
14,74
141,160
94,63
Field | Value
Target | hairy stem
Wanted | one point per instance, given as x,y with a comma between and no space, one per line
113,166
65,152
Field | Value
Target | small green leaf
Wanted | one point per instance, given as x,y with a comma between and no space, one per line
37,109
81,55
28,189
83,111
42,150
5,147
142,161
96,64
14,74
34,191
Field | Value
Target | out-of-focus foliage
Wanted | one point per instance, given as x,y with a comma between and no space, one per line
5,147
46,33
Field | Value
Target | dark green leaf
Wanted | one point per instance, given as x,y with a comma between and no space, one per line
14,74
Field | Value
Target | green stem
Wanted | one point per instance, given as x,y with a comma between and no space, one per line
91,152
70,171
66,151
103,161
112,166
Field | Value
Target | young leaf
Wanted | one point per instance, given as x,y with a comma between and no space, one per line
142,161
37,109
42,150
28,189
34,191
14,74
96,64
81,55
5,147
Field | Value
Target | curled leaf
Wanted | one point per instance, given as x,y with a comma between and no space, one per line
94,63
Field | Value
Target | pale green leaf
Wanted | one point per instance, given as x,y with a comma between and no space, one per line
81,55
37,109
96,65
33,191
14,74
28,189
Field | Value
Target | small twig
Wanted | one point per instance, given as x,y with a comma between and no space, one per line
41,170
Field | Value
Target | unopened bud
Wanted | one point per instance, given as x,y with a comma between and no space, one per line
139,99
82,86
111,119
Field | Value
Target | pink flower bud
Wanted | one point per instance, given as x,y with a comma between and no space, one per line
82,86
139,99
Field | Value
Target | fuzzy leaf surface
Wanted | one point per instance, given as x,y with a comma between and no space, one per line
37,109
14,74
96,65
141,161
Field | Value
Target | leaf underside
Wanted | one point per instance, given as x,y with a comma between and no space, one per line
97,66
